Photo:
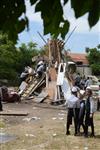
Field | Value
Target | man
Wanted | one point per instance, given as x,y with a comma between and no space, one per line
98,101
73,110
77,80
89,108
82,111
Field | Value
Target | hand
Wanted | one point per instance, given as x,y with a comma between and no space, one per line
91,115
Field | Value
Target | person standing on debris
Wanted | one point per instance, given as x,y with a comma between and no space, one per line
24,75
89,108
88,82
82,111
77,80
73,110
41,67
82,83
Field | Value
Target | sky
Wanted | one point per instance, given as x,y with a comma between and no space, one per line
81,38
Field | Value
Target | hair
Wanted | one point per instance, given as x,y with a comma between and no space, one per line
74,93
89,91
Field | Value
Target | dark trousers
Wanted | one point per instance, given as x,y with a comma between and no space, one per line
89,122
72,113
1,109
81,123
98,105
83,126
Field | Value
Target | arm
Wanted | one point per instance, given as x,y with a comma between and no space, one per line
91,106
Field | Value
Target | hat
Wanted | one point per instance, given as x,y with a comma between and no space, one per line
88,88
74,89
40,62
82,92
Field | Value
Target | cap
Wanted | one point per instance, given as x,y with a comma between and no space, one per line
74,89
40,62
88,88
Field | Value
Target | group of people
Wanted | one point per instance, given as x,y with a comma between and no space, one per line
82,82
81,108
29,71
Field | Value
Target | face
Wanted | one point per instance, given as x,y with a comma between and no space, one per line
88,92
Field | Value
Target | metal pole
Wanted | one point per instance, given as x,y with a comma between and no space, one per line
70,35
42,37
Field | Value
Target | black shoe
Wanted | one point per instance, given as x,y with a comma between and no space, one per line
92,135
86,135
67,133
79,134
75,134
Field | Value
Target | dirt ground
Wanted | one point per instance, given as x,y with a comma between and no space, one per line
45,131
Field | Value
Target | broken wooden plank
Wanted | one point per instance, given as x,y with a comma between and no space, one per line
40,98
49,106
58,102
14,113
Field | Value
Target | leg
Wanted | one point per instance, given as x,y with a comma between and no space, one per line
76,120
86,130
1,109
78,129
67,129
75,125
92,127
83,128
69,121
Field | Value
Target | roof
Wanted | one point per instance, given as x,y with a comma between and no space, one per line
78,57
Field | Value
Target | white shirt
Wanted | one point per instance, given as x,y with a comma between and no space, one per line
92,108
72,101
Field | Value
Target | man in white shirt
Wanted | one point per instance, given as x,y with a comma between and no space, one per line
73,110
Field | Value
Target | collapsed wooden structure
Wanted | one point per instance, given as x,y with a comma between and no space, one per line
55,48
35,88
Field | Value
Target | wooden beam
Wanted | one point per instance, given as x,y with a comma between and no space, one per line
14,113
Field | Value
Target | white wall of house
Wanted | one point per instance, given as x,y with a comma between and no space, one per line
84,70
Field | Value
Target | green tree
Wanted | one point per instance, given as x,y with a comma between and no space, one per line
7,55
26,52
12,59
13,19
94,59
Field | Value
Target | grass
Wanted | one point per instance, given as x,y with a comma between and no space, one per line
2,124
44,138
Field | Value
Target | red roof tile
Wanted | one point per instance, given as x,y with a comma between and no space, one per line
77,57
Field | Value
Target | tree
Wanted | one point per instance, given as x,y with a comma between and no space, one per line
26,52
94,59
13,60
13,18
7,55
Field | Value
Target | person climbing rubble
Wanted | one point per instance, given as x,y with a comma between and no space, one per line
41,67
27,74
